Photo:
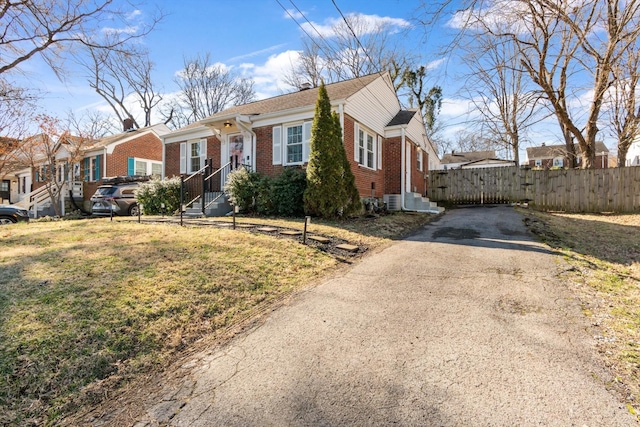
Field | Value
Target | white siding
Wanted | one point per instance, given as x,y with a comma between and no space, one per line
374,105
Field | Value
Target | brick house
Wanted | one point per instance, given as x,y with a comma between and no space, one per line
132,152
387,148
556,156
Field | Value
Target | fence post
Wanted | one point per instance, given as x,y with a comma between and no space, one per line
202,192
181,197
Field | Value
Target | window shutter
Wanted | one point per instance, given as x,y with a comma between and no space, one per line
306,141
379,152
37,175
183,157
203,152
86,169
98,162
131,166
356,144
277,145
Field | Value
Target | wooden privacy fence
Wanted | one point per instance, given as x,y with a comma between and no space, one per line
569,190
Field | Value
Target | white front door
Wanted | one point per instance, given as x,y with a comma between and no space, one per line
407,167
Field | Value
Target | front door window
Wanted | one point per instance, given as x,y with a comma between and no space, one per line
236,150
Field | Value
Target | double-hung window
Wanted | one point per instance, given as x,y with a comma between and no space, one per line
192,155
419,159
291,143
294,144
366,148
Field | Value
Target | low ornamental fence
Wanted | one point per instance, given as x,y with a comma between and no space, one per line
569,190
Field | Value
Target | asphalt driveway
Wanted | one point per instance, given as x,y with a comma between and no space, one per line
464,324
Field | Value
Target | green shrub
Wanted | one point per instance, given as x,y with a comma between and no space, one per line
241,188
152,194
288,192
264,197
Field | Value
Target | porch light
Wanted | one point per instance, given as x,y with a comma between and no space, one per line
227,124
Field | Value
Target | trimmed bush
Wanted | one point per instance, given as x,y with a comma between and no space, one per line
152,194
287,192
241,188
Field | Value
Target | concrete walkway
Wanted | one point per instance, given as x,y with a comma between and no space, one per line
464,324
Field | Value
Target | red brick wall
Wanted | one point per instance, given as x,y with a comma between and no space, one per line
172,156
264,152
365,177
417,176
393,170
147,146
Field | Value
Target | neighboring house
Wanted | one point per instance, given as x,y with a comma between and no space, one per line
387,148
633,154
472,160
84,164
555,156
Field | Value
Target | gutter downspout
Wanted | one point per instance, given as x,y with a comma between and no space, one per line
403,177
104,163
164,157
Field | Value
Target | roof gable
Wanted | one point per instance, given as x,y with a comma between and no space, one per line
552,151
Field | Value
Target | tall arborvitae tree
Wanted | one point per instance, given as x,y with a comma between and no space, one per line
353,203
327,194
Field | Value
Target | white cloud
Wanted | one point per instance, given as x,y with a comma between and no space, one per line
293,14
256,52
361,25
269,77
132,29
133,14
435,64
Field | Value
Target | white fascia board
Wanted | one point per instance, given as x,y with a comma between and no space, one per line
291,115
394,131
194,133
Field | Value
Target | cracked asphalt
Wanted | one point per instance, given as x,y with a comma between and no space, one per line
466,323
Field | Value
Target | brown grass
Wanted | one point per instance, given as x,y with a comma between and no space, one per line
604,251
87,306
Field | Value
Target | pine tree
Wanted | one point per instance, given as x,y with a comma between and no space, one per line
330,182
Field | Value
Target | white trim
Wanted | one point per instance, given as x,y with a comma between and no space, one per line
356,142
305,142
379,152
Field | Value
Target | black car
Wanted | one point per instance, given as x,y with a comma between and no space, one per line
12,214
118,199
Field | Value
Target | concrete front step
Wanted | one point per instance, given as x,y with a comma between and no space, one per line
415,201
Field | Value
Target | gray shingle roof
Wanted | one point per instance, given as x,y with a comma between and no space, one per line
469,156
402,118
336,91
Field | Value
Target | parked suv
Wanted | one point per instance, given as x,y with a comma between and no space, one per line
119,198
12,214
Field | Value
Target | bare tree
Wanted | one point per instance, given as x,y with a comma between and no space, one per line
123,77
497,86
50,28
568,48
41,153
354,48
206,89
623,105
17,107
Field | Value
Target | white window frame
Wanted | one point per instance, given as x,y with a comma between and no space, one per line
186,157
362,151
419,158
148,168
305,128
558,162
538,162
93,161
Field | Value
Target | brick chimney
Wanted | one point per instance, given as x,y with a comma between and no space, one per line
127,124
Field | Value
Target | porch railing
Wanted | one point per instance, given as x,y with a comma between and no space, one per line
206,186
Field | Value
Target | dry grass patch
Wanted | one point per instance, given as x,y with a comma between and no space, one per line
604,251
85,306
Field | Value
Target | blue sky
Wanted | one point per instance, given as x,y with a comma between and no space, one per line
258,38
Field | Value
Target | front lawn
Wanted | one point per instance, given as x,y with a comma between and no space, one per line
87,305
